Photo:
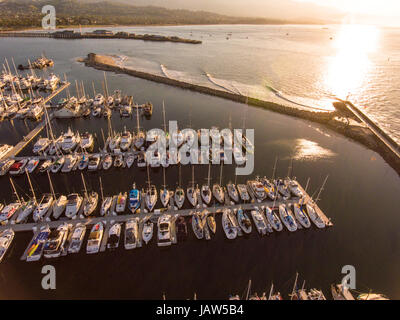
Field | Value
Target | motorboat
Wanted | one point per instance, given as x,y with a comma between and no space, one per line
114,234
90,203
259,222
132,233
43,207
126,141
26,210
258,190
84,162
243,192
94,162
301,215
8,212
206,194
32,165
6,238
287,218
70,141
164,230
151,197
45,166
18,167
312,213
164,197
95,237
293,187
147,232
5,165
229,229
107,162
118,161
57,165
59,206
41,145
121,203
244,221
87,141
35,250
96,111
134,199
192,193
218,193
232,192
179,197
55,243
74,202
273,219
105,206
197,226
77,236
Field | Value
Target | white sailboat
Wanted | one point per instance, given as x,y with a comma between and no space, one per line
206,193
90,200
192,191
164,193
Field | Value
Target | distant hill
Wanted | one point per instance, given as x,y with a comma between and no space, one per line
27,13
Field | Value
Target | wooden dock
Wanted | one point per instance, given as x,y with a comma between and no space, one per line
28,138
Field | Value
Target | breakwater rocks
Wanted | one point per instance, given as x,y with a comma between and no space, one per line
334,120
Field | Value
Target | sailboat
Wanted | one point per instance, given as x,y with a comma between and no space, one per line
192,191
59,204
28,207
179,196
287,218
151,194
206,193
140,136
218,191
164,193
105,202
90,201
312,211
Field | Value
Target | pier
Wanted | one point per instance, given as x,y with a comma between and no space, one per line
31,135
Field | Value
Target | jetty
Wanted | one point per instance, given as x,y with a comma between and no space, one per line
32,134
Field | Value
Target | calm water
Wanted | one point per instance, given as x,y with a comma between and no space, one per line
361,196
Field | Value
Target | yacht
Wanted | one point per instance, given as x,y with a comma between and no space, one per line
90,203
129,160
69,163
70,141
147,232
151,197
269,188
273,219
87,141
41,145
232,192
5,165
179,197
35,112
301,215
282,189
312,213
114,235
94,162
25,211
55,243
244,221
164,231
45,166
164,197
287,218
18,167
131,233
54,146
258,190
77,236
6,238
126,141
98,100
43,207
71,110
95,237
192,193
197,226
32,165
121,203
74,202
36,247
206,194
107,162
218,193
243,193
229,229
57,165
115,142
59,206
259,222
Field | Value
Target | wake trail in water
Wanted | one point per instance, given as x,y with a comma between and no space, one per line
215,82
164,70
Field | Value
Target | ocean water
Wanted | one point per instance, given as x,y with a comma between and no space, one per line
304,65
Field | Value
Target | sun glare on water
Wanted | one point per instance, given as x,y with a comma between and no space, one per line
349,68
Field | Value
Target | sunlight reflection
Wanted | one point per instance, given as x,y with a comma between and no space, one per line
307,150
349,68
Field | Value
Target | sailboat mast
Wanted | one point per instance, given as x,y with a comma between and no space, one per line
137,118
105,84
148,176
220,175
163,108
164,178
274,168
209,172
84,186
294,286
322,188
51,185
193,176
271,291
290,168
101,189
30,184
248,290
15,190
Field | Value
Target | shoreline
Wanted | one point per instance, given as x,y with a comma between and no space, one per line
358,133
